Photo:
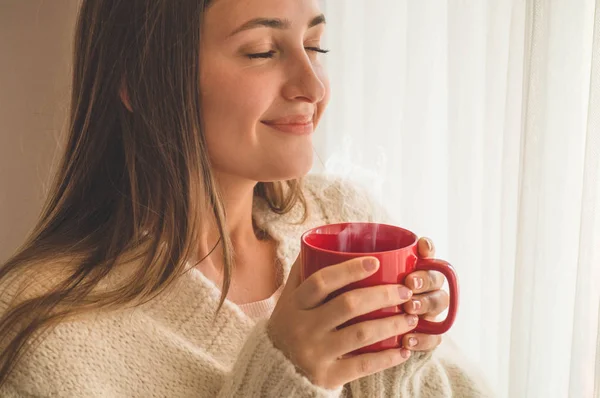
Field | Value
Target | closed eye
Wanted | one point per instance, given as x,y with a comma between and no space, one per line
271,53
268,54
317,49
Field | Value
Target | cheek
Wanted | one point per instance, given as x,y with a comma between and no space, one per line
322,105
229,100
232,107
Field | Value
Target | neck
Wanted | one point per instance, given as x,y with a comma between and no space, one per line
237,195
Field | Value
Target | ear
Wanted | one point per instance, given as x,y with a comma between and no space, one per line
125,96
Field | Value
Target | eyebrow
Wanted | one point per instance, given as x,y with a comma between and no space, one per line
275,23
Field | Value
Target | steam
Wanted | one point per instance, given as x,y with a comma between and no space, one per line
365,166
356,238
368,170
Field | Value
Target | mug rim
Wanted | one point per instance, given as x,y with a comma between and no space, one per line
312,231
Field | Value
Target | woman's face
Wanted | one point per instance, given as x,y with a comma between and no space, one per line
263,86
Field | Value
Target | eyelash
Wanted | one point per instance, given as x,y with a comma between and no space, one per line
271,53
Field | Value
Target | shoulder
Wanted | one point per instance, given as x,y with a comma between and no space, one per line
29,281
61,361
341,200
120,354
171,345
79,356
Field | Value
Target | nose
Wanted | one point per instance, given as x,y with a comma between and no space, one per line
304,82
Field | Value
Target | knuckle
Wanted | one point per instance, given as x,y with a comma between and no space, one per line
361,335
398,324
426,275
318,285
428,283
444,298
349,303
436,279
387,295
426,303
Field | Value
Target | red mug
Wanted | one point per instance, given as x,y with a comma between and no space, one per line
396,250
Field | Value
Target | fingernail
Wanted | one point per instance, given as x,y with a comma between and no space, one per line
429,244
418,282
405,353
370,264
405,293
411,320
416,305
412,342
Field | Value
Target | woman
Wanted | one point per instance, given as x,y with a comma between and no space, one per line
190,129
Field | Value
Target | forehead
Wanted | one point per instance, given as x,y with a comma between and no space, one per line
224,16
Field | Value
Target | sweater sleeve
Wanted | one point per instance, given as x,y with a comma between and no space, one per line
261,370
424,375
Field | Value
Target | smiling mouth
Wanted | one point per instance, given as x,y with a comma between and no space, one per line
303,128
296,124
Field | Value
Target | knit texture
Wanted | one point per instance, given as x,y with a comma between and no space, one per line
172,347
263,308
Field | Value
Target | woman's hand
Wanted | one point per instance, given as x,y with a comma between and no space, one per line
304,327
428,300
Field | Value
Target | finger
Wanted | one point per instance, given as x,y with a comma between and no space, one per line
358,366
426,248
424,281
358,302
365,333
431,304
315,289
421,342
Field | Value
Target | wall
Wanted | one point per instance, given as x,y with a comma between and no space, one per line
35,54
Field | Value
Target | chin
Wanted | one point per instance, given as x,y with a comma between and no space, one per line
288,170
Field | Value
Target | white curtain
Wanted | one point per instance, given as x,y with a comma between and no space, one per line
477,123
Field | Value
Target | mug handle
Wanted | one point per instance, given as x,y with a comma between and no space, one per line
429,264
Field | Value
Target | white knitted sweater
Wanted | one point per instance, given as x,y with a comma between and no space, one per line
170,347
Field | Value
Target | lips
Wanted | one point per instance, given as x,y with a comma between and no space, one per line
290,120
293,124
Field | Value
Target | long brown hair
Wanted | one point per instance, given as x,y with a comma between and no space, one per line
132,187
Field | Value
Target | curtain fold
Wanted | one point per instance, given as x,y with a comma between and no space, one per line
586,326
477,123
